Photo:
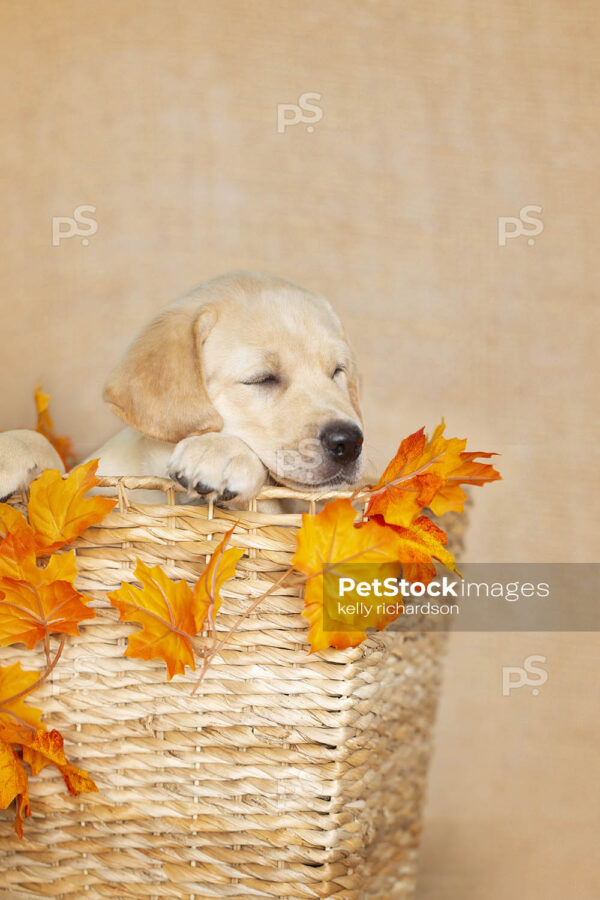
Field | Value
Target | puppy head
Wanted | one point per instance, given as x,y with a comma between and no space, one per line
256,357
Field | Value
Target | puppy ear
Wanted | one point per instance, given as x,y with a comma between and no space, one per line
159,388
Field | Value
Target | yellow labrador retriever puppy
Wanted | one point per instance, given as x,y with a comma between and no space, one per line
246,379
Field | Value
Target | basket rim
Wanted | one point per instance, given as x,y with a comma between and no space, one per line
273,492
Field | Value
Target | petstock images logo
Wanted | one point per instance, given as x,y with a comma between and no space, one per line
484,597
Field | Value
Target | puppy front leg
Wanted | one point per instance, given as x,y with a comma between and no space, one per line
24,455
218,464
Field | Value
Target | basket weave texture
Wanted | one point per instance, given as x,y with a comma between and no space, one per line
285,776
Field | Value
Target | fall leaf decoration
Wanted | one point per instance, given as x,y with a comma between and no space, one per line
333,539
17,555
38,748
44,425
392,533
42,603
38,600
328,541
451,496
58,510
13,784
15,684
170,612
164,610
422,543
13,522
24,740
427,474
220,568
43,748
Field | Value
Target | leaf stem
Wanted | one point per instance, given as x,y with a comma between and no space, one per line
21,722
50,666
217,647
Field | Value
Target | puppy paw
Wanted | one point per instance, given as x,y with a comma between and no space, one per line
23,456
219,465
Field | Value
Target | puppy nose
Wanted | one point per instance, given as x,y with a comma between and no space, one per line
342,441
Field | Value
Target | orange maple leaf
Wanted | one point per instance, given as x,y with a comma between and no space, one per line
13,710
39,748
169,611
42,601
44,425
427,474
13,522
16,714
44,748
165,610
422,543
24,739
13,785
207,590
450,496
332,540
58,510
17,555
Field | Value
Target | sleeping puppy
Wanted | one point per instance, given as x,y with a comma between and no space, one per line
248,379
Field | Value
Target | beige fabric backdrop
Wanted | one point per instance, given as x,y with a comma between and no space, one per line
437,118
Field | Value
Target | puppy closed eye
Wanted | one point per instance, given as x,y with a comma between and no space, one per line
338,370
266,379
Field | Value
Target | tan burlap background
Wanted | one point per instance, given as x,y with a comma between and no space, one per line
437,119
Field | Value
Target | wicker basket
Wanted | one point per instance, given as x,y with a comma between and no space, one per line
286,776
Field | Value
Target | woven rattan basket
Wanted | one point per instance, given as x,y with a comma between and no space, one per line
286,776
